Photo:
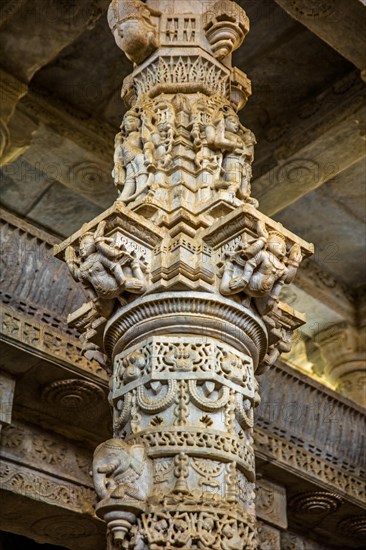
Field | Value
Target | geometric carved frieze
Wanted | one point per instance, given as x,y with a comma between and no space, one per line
184,73
247,218
28,482
119,218
47,452
183,358
194,313
305,413
290,457
45,340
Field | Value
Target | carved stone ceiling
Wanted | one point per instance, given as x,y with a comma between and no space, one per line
291,70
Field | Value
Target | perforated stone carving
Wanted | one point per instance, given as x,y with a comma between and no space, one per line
184,275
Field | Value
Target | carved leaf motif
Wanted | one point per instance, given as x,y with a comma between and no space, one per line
164,70
180,72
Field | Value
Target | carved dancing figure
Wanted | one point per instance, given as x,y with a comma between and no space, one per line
266,268
131,157
99,266
245,187
279,339
159,534
231,538
179,536
206,533
137,542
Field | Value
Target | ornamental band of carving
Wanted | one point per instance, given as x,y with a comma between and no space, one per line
183,276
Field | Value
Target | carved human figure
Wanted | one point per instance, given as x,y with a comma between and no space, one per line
133,29
279,340
206,532
234,145
92,352
99,266
158,535
231,539
137,542
160,126
120,471
131,157
266,268
208,155
179,535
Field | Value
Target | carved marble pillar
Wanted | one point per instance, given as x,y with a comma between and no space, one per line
343,349
183,275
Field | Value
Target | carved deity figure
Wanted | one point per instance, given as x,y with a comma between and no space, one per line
99,266
266,268
224,146
133,29
158,535
119,471
131,157
206,156
160,124
237,146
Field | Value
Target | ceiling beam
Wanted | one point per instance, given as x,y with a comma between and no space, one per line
73,149
58,25
325,137
340,23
